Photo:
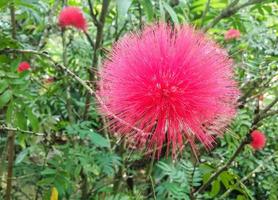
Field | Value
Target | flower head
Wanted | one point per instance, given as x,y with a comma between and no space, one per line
232,34
72,16
170,87
258,140
23,66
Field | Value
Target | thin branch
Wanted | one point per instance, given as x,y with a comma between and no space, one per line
77,78
93,15
48,26
11,135
97,46
246,140
7,128
223,168
248,176
90,40
229,11
205,12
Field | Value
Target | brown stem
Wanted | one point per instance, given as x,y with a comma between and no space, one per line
223,168
84,185
10,152
3,127
229,11
97,46
245,141
11,137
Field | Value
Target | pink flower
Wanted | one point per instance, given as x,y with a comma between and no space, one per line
258,140
72,16
23,66
169,87
232,34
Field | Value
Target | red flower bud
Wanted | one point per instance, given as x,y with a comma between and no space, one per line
258,140
23,66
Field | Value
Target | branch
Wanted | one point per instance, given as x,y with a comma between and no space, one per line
247,176
229,11
223,168
11,135
77,78
205,12
6,128
93,15
246,140
45,33
97,45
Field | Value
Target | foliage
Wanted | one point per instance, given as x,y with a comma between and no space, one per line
62,144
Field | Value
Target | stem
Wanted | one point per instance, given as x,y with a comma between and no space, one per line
100,25
205,12
3,127
11,135
10,151
78,79
223,168
229,11
247,176
256,120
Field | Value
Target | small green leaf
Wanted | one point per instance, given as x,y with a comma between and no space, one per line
3,85
33,120
122,7
5,98
171,12
21,156
148,9
99,140
215,188
21,120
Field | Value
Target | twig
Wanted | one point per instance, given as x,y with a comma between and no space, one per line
89,39
77,78
97,45
11,135
6,128
248,175
205,12
223,168
241,146
229,11
152,183
93,15
49,22
10,152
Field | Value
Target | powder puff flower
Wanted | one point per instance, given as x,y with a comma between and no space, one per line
23,66
258,140
232,34
72,16
168,87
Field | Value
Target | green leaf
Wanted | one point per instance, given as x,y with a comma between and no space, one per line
4,3
21,156
171,12
122,7
148,9
99,140
5,98
215,188
33,120
10,113
3,85
21,120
